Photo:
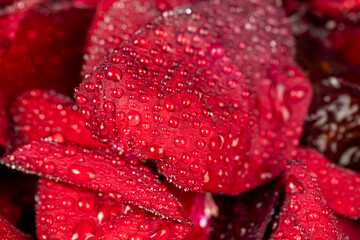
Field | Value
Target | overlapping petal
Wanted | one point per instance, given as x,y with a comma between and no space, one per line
119,178
194,94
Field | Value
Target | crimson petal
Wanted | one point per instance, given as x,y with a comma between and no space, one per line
38,47
68,212
340,186
9,232
304,213
105,33
98,169
195,96
37,114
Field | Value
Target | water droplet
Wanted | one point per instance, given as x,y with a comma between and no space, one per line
114,74
109,107
186,158
81,173
205,131
48,168
313,216
86,204
180,142
144,227
280,108
294,206
81,99
141,42
186,102
173,122
117,92
217,50
195,167
156,152
296,94
293,185
134,118
169,106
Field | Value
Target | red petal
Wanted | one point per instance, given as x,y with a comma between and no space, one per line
38,114
195,96
98,169
246,216
11,16
67,212
304,213
340,186
9,232
199,206
38,47
105,36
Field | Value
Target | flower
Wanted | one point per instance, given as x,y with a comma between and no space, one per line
185,124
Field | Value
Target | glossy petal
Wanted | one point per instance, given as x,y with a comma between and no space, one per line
37,114
99,169
340,186
38,47
200,101
67,212
9,232
304,213
105,35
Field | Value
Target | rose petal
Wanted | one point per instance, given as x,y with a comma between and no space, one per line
38,47
82,214
304,212
340,186
37,114
105,36
98,169
182,96
9,232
